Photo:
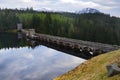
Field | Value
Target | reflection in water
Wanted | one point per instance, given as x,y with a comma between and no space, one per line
40,63
19,61
8,40
20,36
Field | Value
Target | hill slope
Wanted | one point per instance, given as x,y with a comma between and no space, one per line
94,69
93,25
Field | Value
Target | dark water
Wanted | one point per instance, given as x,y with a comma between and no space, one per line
19,61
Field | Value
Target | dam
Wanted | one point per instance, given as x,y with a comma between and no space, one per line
86,48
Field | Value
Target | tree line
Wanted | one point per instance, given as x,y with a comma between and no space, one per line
97,27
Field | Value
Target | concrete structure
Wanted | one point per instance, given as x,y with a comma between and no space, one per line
93,48
19,26
29,32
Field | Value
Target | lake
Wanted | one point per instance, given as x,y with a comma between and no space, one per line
21,61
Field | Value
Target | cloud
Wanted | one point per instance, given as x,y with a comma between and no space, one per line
106,6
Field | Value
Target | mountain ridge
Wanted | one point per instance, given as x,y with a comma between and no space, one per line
87,10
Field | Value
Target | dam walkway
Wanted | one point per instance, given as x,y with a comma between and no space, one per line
85,47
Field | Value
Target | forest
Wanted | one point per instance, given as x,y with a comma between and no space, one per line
95,27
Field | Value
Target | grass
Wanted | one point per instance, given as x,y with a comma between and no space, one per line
94,69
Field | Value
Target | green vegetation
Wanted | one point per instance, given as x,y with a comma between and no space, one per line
97,27
94,69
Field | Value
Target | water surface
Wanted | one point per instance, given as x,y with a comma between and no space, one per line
38,63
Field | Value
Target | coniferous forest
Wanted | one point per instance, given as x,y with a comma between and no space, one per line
96,27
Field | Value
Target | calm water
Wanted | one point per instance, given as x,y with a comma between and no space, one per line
18,61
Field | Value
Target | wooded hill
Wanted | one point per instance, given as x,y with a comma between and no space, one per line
96,27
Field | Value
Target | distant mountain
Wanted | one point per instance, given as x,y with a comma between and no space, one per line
88,10
45,10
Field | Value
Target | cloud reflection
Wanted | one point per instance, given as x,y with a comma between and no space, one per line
41,63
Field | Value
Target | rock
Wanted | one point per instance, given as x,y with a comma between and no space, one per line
113,69
86,49
97,52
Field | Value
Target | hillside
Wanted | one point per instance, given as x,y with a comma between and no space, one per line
95,27
94,69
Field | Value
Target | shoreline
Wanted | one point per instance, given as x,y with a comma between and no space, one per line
11,31
93,69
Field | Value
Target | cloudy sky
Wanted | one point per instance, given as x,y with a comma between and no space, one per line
107,6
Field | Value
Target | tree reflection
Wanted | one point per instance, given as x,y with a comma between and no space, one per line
10,40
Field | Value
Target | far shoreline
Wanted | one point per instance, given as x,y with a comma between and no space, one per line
10,31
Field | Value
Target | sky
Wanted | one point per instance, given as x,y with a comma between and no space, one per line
107,6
